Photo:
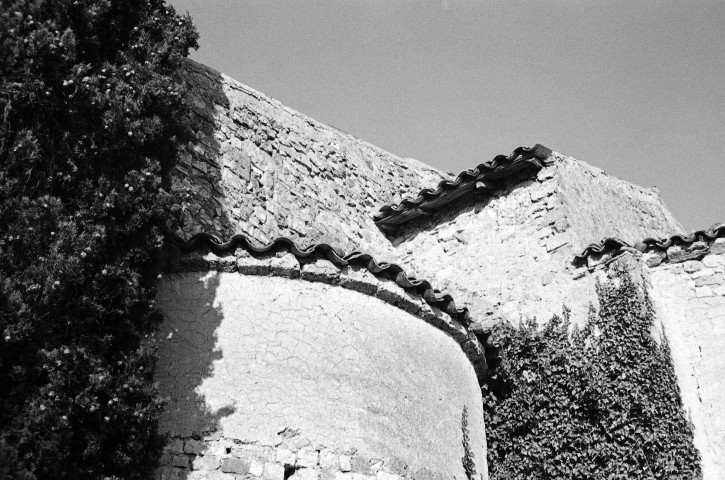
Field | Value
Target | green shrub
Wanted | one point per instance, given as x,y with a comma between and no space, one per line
602,403
90,117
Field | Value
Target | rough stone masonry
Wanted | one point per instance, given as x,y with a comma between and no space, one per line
280,377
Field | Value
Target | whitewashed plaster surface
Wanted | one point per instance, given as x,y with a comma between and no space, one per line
251,357
690,299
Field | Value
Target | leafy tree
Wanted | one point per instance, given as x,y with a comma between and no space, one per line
602,403
90,116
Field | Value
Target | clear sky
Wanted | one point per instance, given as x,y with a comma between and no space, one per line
635,88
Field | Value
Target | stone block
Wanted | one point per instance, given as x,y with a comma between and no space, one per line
704,272
181,461
176,445
297,442
197,447
206,462
256,467
712,261
328,460
285,456
235,465
321,271
360,464
305,474
248,265
654,258
345,464
343,476
227,263
273,471
701,292
708,280
692,266
307,457
677,254
718,246
285,265
359,280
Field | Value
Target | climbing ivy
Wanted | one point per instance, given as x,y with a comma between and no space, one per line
600,402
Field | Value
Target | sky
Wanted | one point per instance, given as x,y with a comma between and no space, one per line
634,88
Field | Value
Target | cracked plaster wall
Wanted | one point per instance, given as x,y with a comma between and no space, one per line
690,299
250,362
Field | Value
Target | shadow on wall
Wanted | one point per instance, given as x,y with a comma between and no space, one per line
198,172
188,350
187,357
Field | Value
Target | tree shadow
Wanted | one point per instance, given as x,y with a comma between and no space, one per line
189,341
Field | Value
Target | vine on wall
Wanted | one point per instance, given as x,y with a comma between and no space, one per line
599,403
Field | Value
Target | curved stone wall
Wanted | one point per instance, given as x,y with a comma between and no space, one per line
282,378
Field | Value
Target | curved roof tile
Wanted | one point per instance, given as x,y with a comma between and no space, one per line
435,298
615,245
501,166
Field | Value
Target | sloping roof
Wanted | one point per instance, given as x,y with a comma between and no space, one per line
615,246
484,176
435,298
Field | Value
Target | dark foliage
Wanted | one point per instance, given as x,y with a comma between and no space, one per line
602,403
90,117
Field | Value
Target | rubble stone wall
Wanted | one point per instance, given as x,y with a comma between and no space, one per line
273,377
509,254
263,169
260,168
690,298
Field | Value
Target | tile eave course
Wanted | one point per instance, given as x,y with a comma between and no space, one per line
612,247
471,340
484,175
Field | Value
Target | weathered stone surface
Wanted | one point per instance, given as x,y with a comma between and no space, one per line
273,471
196,447
321,271
307,457
691,306
260,168
235,465
285,265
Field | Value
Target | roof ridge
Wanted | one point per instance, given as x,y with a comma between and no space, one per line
390,217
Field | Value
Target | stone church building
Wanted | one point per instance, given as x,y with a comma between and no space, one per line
330,315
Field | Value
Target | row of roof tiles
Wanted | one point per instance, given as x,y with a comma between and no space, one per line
423,288
614,246
485,176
